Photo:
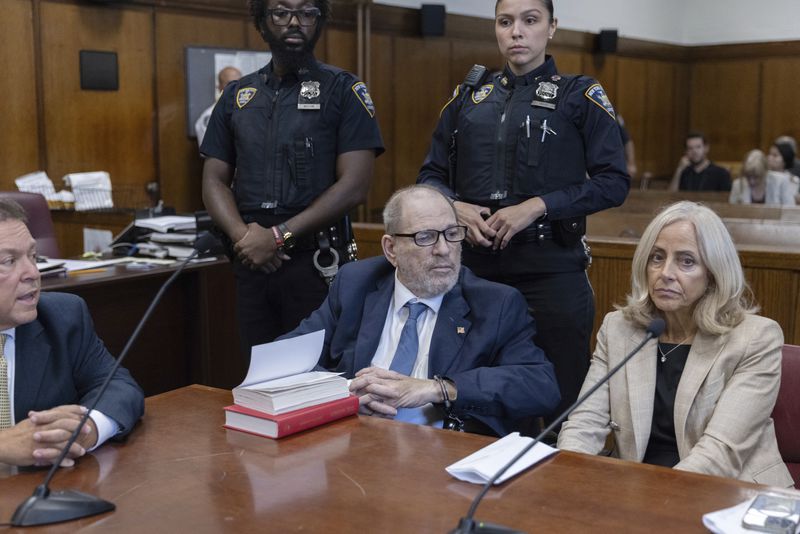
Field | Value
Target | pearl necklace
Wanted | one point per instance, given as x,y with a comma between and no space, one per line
665,354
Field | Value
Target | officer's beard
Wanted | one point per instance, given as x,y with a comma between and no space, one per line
292,57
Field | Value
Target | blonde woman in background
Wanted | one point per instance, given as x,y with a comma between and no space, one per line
758,185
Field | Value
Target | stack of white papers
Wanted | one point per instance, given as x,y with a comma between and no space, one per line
482,465
92,190
36,182
167,223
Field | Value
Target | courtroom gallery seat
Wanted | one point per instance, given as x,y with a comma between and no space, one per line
787,411
40,222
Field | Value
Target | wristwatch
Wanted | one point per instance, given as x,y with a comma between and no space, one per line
287,237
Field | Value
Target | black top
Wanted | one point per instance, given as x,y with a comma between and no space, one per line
662,449
712,178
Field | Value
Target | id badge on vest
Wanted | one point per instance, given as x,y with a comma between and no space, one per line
309,95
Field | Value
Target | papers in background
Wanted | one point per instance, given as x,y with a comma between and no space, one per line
482,465
92,190
168,223
36,182
284,358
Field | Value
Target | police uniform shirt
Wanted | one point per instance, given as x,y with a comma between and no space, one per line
507,154
284,135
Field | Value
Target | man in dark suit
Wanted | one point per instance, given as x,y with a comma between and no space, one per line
51,362
474,358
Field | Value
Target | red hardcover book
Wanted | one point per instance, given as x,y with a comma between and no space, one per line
278,426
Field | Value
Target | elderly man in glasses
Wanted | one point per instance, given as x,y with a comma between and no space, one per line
289,152
424,339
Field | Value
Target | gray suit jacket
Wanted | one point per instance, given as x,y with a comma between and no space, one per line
722,406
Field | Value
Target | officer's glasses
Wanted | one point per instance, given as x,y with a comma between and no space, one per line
427,238
282,16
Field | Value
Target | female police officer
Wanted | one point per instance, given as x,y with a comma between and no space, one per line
527,154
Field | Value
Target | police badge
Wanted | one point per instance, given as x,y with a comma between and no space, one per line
243,96
479,95
547,90
309,95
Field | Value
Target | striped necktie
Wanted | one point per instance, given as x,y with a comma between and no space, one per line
5,402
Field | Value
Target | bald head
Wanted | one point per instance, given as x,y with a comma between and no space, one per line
393,212
227,75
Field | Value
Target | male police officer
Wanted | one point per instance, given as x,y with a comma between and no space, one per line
297,140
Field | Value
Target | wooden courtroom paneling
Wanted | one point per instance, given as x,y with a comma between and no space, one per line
419,93
667,112
780,112
19,131
631,103
381,88
567,61
464,54
602,67
179,162
99,130
725,106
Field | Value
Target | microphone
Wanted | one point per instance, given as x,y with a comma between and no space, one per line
467,524
45,507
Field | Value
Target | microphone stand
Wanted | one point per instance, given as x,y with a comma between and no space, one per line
467,524
45,506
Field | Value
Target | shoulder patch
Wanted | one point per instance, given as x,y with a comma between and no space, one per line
245,95
360,89
456,92
479,95
596,95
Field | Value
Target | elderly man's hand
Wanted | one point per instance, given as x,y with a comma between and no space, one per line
381,391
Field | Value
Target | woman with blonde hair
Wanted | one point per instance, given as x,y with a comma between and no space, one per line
759,185
699,397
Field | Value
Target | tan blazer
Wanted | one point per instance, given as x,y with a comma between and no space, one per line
722,406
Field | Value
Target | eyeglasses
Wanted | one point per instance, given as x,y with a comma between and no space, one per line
427,238
282,16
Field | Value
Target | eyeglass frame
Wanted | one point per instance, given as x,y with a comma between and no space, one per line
293,13
439,233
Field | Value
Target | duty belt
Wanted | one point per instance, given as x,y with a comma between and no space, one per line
537,232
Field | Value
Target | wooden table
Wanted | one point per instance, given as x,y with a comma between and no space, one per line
192,336
180,471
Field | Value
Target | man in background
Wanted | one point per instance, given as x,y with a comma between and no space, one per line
52,363
301,138
696,172
225,76
425,340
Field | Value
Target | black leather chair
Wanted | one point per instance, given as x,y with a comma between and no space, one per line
40,222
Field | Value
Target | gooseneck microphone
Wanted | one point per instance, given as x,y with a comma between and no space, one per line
467,524
45,507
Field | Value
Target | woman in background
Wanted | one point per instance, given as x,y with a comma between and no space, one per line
779,160
759,186
698,398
